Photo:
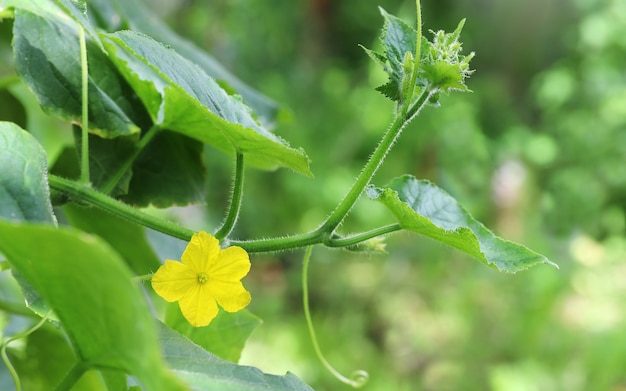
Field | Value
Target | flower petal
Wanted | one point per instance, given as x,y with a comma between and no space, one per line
231,296
174,280
232,264
201,251
199,307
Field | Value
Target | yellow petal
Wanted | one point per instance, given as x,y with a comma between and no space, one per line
198,307
174,280
232,264
201,251
231,296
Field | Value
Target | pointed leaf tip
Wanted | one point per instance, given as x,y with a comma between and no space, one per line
422,207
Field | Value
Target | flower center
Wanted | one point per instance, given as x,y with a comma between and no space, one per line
202,278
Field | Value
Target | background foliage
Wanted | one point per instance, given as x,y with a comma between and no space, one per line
536,152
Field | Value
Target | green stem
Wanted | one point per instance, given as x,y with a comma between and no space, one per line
117,177
93,197
416,63
360,377
418,44
84,164
72,377
419,104
279,244
235,201
363,236
373,164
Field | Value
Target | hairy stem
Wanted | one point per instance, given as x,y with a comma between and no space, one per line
279,244
93,197
372,165
235,201
363,236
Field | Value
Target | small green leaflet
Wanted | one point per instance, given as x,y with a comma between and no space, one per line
441,66
422,207
398,38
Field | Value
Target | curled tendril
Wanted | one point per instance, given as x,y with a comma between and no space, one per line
359,377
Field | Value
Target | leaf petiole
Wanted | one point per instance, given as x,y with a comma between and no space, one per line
235,201
84,162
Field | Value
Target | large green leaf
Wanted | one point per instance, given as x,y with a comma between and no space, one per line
24,191
206,372
422,207
171,158
114,15
225,336
91,290
181,97
47,58
127,238
106,157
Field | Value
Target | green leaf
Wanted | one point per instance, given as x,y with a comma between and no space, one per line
224,337
207,372
24,194
91,290
127,238
114,15
77,10
46,52
181,97
398,38
422,207
441,66
170,158
106,157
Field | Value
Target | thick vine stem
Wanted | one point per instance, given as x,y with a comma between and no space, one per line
93,197
373,164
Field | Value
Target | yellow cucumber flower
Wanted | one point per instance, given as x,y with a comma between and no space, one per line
207,276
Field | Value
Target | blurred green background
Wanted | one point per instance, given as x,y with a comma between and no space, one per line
537,152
